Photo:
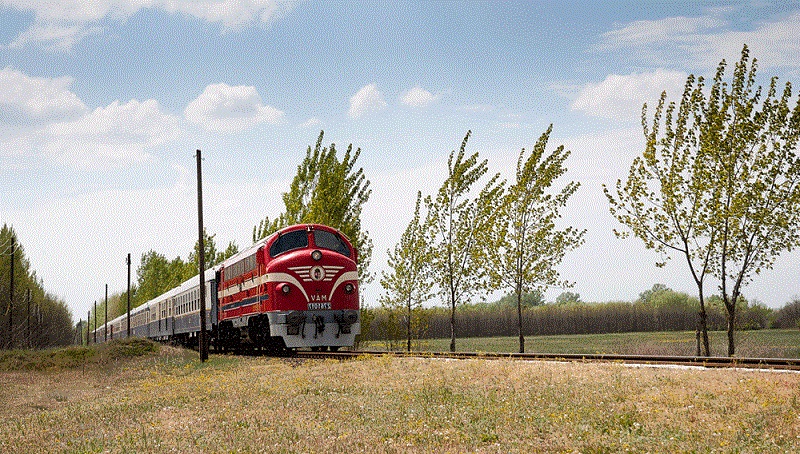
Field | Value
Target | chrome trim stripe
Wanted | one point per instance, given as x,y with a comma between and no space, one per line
247,285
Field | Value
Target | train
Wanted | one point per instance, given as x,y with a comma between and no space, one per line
295,289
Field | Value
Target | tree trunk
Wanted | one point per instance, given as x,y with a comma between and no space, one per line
453,327
703,318
408,327
704,330
697,336
519,322
731,326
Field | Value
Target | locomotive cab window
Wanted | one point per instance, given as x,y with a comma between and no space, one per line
289,241
332,241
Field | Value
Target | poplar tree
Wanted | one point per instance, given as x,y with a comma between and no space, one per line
210,255
327,191
156,275
719,182
409,284
751,142
664,201
47,321
459,228
528,244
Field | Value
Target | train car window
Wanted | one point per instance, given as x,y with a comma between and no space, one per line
332,241
288,241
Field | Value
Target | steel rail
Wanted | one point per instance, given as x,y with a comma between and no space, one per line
707,362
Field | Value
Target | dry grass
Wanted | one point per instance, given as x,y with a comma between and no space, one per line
167,403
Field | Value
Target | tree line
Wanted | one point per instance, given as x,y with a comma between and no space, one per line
32,317
718,185
657,309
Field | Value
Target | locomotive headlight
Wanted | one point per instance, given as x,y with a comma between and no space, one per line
316,255
284,288
349,288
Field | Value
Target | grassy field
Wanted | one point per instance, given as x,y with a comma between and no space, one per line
166,401
771,343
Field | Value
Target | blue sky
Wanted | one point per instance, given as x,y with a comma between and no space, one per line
102,105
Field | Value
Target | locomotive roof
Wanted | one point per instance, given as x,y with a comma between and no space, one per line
252,249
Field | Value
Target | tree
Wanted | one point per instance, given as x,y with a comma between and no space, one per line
327,191
664,201
229,252
751,144
718,182
532,299
156,275
568,298
211,255
528,244
650,294
458,225
410,283
46,321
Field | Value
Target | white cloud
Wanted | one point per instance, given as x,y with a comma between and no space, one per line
232,14
313,121
224,108
775,45
702,42
88,226
654,31
418,97
59,25
35,99
621,97
368,99
54,36
117,135
47,123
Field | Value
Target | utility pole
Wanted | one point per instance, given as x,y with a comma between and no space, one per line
129,294
95,321
202,262
105,319
10,342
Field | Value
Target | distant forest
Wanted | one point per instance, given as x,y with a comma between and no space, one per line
32,318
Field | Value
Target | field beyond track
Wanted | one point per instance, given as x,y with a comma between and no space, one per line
767,343
166,401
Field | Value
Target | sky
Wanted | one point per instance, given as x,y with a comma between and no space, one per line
103,104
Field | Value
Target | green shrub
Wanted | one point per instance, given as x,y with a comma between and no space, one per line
76,356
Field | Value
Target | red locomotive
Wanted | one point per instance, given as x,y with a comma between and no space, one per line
297,288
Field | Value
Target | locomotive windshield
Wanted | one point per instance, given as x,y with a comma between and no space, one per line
289,241
332,241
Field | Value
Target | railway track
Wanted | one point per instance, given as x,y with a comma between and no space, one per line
708,362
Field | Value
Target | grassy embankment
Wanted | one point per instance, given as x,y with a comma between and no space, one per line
771,343
165,400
